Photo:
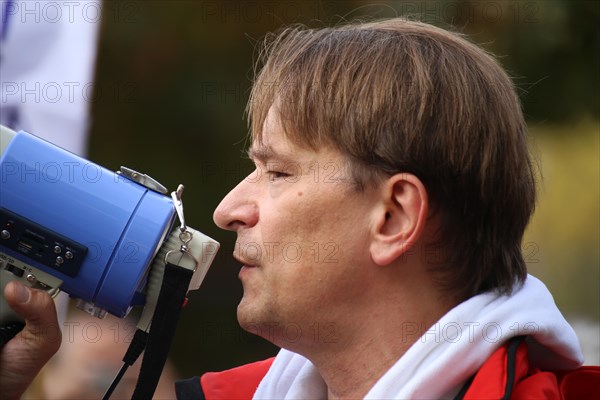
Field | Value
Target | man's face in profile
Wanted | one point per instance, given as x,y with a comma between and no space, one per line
301,237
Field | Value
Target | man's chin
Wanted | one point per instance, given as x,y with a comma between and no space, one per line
247,318
254,321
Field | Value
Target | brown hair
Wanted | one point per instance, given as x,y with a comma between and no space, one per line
404,96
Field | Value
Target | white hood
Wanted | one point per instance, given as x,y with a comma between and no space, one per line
452,350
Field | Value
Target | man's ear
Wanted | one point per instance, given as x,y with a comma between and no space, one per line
400,218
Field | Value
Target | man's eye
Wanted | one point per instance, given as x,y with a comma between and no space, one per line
273,175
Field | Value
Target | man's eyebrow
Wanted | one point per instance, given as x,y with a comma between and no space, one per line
260,153
263,153
266,153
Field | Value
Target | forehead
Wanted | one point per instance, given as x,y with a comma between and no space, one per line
273,141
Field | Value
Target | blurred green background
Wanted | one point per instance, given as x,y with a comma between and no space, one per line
173,78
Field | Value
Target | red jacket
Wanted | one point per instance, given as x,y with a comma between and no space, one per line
505,375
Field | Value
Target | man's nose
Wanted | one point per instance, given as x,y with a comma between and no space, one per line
238,209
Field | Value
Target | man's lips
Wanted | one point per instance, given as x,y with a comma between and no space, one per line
246,268
245,263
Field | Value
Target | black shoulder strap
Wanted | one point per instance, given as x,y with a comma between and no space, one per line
511,365
189,389
464,388
170,301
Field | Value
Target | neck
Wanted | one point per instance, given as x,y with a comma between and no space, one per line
373,334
